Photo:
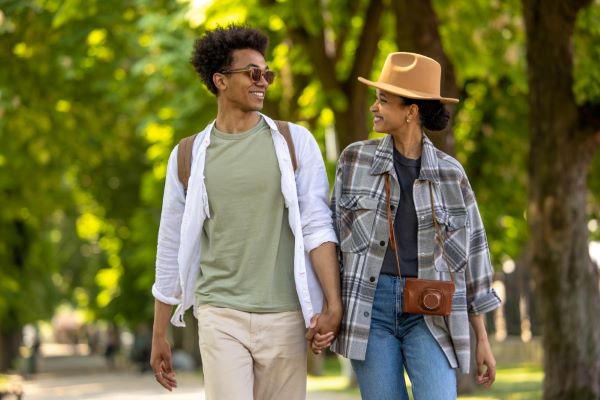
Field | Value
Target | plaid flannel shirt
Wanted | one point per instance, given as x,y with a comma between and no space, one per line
360,220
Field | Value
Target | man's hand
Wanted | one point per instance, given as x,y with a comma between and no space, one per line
160,357
160,360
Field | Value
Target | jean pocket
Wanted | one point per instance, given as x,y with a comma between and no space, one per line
357,217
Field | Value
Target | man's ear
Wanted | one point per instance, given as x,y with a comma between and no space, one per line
220,81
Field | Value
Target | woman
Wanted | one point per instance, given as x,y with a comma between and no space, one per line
380,337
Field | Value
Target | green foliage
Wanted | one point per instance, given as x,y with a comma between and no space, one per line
586,43
92,103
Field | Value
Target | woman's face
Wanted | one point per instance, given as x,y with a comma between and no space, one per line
389,112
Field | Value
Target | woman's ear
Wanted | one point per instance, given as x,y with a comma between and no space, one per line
413,111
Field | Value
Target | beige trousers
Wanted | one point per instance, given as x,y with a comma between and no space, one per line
250,356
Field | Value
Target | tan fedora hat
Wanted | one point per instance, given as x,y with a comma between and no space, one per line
411,75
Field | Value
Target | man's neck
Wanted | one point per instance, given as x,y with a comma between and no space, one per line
236,121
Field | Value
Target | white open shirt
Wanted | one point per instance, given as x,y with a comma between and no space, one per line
305,193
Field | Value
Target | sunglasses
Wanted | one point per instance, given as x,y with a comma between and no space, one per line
255,74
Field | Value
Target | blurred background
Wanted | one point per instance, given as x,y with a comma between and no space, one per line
94,94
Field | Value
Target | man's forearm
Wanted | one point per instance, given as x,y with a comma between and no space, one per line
162,315
325,264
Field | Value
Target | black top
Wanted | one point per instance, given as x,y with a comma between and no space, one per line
405,221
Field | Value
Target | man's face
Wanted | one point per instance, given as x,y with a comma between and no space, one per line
241,91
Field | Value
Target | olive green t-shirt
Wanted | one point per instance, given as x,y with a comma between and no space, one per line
247,260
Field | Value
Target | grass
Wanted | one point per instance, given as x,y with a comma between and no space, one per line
513,382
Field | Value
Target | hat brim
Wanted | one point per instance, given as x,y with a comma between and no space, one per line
411,94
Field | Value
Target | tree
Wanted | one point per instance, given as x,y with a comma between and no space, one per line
563,139
419,31
81,103
335,42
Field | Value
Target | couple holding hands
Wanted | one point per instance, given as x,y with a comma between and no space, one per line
390,273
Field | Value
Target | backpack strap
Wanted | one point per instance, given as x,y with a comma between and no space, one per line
184,160
284,129
184,153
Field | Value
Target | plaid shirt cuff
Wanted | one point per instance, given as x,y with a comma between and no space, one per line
484,303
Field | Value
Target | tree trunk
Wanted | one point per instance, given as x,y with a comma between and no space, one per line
524,289
418,31
10,340
10,327
351,124
566,281
512,315
351,120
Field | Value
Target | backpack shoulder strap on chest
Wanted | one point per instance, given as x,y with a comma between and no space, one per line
184,160
184,153
284,129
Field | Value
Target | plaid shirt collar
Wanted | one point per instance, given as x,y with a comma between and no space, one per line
384,159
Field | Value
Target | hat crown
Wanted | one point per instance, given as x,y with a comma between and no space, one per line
412,72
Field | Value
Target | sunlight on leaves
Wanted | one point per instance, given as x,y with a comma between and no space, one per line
227,12
22,50
88,226
96,37
196,14
155,132
63,106
275,23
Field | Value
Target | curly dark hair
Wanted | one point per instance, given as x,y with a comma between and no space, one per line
213,51
433,114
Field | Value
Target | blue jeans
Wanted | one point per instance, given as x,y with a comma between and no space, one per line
399,341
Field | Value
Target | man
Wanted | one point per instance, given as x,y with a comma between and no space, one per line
240,246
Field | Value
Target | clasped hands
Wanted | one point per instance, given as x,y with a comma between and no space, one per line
324,328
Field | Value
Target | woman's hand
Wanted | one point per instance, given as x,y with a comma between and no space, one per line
486,364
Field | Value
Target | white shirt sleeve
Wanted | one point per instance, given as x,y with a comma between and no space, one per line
312,187
167,287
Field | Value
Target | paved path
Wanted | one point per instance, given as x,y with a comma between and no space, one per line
87,378
126,385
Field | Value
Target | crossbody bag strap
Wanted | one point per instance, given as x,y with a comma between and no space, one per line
438,234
